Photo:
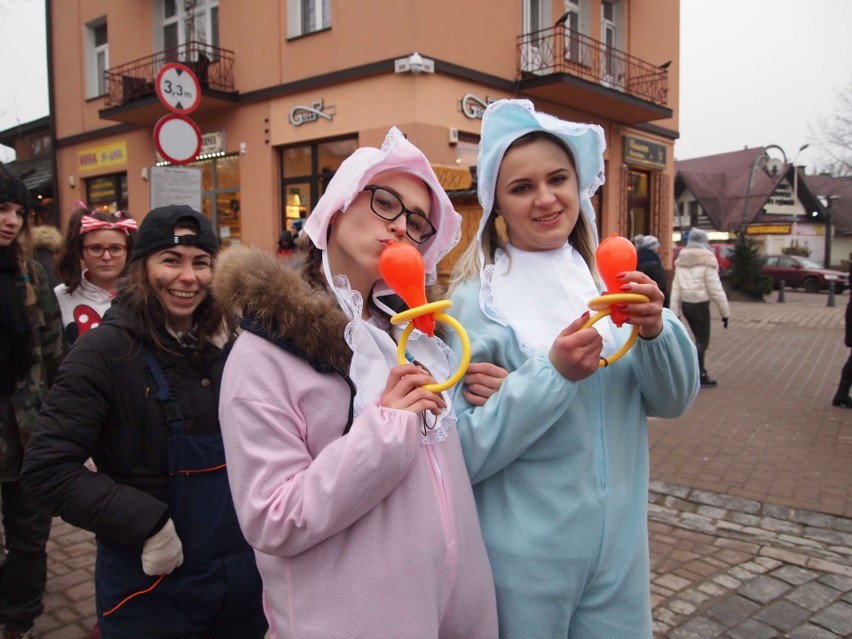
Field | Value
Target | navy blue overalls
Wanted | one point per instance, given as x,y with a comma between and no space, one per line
217,590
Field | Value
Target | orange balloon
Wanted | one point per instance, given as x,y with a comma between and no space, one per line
403,270
615,255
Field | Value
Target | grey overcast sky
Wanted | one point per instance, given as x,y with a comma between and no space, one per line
752,72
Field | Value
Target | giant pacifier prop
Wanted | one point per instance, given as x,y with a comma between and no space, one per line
615,255
402,269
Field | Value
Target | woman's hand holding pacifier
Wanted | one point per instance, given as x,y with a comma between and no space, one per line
404,391
648,316
481,381
576,351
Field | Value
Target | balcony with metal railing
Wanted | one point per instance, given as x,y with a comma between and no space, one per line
567,67
131,95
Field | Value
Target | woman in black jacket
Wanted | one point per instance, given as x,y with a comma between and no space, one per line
140,396
648,258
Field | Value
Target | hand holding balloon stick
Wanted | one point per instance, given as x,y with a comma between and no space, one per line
615,255
402,269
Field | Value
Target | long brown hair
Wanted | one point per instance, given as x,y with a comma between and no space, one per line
582,236
211,319
68,268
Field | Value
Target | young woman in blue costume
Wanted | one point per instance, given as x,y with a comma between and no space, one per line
557,449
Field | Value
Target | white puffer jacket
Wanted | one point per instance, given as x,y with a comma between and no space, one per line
696,279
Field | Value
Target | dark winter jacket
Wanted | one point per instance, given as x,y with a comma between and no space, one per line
48,347
649,263
102,406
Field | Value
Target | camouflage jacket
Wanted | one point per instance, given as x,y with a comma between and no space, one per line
48,349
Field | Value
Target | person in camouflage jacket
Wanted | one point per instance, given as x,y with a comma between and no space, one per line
31,346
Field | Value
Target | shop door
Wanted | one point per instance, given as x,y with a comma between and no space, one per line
638,204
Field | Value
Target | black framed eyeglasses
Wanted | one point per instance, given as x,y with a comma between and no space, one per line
387,205
97,250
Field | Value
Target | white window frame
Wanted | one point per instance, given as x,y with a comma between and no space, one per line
202,11
535,16
612,73
577,12
95,84
300,21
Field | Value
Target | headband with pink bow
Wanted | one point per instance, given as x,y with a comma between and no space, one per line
89,223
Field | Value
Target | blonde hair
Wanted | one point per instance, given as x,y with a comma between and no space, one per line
582,236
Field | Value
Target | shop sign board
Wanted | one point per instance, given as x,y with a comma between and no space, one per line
101,157
641,152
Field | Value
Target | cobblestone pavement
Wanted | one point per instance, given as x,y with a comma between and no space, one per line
729,567
750,508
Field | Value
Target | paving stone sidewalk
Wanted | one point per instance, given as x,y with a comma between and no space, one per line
729,567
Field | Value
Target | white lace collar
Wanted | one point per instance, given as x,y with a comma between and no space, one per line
374,353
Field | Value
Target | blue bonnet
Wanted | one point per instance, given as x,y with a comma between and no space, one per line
504,121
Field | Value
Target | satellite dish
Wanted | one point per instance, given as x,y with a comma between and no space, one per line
774,166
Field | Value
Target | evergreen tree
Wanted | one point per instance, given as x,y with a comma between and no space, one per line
746,276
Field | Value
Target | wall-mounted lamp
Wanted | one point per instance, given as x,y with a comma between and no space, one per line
415,63
72,181
144,173
243,148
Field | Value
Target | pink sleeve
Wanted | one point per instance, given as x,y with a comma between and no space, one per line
296,480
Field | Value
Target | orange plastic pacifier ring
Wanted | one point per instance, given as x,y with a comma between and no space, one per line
434,309
603,306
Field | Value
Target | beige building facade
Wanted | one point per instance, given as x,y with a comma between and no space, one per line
289,88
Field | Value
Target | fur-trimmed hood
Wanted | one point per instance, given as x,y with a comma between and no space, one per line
274,300
46,237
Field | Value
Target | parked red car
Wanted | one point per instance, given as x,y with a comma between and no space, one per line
800,272
723,253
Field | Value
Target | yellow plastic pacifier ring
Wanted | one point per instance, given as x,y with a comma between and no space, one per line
417,311
439,317
602,304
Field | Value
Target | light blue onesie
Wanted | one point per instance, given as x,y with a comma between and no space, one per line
560,474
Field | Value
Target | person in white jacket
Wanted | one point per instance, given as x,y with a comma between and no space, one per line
696,282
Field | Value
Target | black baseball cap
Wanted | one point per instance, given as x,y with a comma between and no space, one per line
157,231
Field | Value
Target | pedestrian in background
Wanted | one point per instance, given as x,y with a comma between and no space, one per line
93,258
648,262
31,347
286,244
695,284
558,455
841,397
47,244
348,476
140,396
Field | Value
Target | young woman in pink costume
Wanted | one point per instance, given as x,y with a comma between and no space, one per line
348,477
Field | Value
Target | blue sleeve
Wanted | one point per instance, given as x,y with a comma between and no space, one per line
666,369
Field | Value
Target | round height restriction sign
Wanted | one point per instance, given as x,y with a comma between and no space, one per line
178,88
178,138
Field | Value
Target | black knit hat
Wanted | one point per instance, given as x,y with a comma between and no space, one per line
13,189
157,231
